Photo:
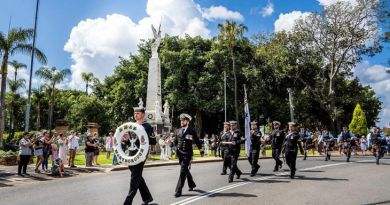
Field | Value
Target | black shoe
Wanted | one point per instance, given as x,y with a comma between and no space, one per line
253,174
329,157
21,175
230,180
191,189
347,160
238,176
304,158
25,174
223,173
276,169
326,159
280,165
147,201
377,163
291,176
177,194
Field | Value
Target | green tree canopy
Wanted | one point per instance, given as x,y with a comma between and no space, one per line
358,124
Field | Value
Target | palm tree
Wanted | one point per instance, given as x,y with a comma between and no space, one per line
230,33
37,95
13,99
53,77
87,77
16,42
17,66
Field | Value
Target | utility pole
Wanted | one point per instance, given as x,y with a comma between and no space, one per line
291,104
31,70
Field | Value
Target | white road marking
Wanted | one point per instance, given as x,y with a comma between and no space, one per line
225,188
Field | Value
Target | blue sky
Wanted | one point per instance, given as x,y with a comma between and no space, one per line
114,28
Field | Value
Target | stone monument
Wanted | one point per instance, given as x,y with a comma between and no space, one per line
154,114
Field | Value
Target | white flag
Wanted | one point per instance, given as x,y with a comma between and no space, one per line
248,141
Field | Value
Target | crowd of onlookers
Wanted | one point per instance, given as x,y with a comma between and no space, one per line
60,149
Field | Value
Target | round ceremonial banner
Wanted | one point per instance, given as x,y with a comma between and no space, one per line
137,133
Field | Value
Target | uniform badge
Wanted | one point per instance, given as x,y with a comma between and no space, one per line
143,140
278,134
189,137
235,135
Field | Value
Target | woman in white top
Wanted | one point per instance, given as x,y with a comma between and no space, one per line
206,144
25,152
161,142
168,150
363,145
109,144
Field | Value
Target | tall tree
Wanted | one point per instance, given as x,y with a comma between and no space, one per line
230,33
53,77
17,66
358,124
16,42
341,34
13,100
37,95
87,77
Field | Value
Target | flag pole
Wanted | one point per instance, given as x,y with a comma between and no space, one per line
31,69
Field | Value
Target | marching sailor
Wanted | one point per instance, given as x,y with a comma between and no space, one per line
277,138
306,141
290,148
224,137
234,147
137,182
347,140
255,148
377,138
185,136
328,141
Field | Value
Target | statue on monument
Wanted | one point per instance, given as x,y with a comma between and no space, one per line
166,109
141,103
156,43
158,110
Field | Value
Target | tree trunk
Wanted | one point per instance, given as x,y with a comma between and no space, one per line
38,117
3,90
51,108
332,105
16,73
235,86
10,126
86,89
198,123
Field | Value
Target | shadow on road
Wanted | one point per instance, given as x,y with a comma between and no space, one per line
380,202
264,181
319,178
5,185
232,195
311,171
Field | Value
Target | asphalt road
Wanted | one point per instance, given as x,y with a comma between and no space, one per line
317,182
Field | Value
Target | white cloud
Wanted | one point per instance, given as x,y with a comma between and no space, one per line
286,21
329,2
379,80
96,44
268,10
220,12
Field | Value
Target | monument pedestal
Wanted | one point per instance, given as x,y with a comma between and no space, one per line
61,126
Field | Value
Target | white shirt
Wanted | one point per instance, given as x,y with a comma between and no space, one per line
74,143
185,129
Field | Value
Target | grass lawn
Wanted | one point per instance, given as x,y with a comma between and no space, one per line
80,158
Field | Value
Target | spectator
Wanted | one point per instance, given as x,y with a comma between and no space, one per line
97,148
363,145
263,146
63,141
38,147
109,144
320,144
161,142
25,151
73,146
206,142
313,144
54,149
214,140
168,143
388,143
356,146
115,159
58,168
89,150
46,151
174,147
